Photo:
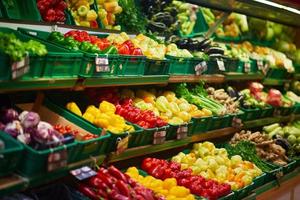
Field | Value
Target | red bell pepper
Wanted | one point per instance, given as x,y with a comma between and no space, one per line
117,174
87,191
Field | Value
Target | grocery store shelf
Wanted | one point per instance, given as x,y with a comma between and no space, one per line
126,80
213,134
241,77
270,120
149,149
17,183
269,81
37,84
263,9
195,78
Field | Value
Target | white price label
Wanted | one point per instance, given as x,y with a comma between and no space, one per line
265,68
20,68
247,67
201,68
182,132
83,173
57,160
159,137
260,64
102,64
221,65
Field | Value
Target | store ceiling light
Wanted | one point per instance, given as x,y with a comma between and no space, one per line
276,5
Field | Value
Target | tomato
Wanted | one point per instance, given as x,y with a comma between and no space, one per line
123,49
137,52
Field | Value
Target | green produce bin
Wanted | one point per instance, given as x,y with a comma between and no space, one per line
60,62
131,65
84,149
173,130
289,167
277,73
272,175
201,125
148,137
227,197
297,108
243,192
219,122
10,155
259,181
22,10
156,67
182,66
266,112
251,114
283,111
213,68
234,65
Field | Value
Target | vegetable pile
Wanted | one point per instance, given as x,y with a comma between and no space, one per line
83,13
17,50
266,148
107,11
213,163
29,129
52,10
197,184
112,184
103,117
75,133
167,188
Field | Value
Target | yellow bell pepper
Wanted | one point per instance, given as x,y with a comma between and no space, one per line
101,122
72,106
107,107
115,130
91,15
92,110
89,117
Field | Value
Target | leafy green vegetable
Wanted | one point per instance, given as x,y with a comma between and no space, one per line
131,19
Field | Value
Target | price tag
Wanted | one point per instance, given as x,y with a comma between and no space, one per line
236,122
20,68
260,64
265,68
102,64
182,132
83,173
201,68
247,67
159,137
221,65
57,160
122,144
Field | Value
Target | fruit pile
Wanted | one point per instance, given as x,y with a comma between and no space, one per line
82,13
52,10
213,163
103,117
197,184
112,184
107,11
145,119
166,105
167,188
80,136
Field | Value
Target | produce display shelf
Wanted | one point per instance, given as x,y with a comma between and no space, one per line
36,84
239,76
274,184
149,149
17,183
213,134
127,80
270,120
269,81
194,78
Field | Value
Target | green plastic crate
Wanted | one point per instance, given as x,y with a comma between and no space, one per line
156,67
227,197
182,66
238,66
243,192
35,162
148,135
259,181
22,10
131,65
277,73
297,108
172,131
219,122
289,167
10,155
266,112
251,114
200,125
283,111
85,149
213,68
60,62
